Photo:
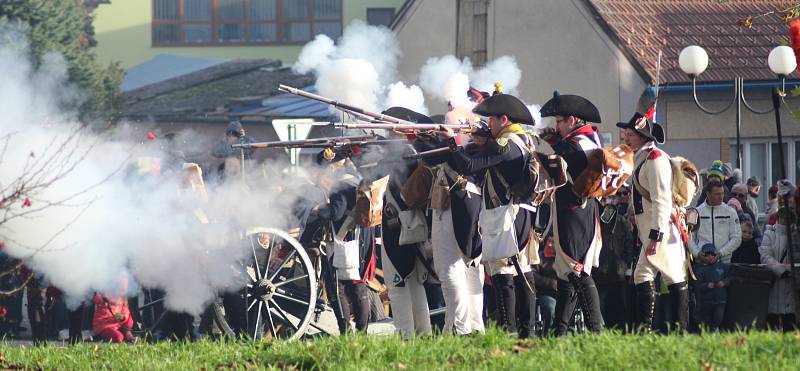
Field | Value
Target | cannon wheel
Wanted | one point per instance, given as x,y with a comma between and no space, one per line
281,291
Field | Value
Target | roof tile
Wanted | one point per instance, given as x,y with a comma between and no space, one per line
645,26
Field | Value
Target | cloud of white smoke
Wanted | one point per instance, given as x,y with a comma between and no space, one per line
103,221
315,54
406,96
360,70
503,69
447,78
351,81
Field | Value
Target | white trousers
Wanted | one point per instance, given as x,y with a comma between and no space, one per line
462,285
670,258
408,301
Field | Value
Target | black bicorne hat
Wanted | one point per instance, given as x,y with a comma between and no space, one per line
505,104
408,115
645,127
571,105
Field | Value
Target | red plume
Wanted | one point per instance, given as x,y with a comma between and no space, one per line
650,115
151,136
794,38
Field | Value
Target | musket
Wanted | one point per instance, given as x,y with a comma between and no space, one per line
291,143
403,127
476,130
434,152
383,121
426,154
343,106
322,142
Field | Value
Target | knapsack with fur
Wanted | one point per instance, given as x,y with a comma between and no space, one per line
543,174
685,181
607,169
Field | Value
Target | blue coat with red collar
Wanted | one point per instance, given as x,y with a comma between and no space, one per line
576,218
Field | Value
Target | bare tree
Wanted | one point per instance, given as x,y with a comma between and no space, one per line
24,195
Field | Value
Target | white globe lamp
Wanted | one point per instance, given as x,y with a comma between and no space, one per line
782,61
693,60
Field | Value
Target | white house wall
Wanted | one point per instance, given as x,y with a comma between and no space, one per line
556,43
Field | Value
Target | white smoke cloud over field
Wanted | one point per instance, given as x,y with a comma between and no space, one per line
360,70
100,221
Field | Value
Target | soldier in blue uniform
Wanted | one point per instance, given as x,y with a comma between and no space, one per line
403,267
502,162
576,230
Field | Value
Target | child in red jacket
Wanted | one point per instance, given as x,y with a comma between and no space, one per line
112,319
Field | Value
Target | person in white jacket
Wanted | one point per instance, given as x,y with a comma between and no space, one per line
774,255
657,221
719,225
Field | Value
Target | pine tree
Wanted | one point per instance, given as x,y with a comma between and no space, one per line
65,26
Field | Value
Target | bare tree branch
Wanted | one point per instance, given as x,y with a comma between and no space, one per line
24,197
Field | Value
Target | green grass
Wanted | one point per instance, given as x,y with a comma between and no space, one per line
609,351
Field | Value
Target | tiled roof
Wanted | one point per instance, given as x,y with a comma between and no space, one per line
642,27
214,90
163,67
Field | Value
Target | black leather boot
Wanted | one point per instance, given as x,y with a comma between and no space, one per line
565,306
506,302
589,301
646,305
37,314
679,295
360,303
76,324
526,303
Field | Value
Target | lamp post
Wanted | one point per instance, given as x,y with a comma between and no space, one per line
693,60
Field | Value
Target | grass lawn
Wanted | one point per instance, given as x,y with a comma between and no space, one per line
609,351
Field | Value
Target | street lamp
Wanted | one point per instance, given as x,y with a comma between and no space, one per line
693,60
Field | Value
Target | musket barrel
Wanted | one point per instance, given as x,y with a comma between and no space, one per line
319,142
347,107
402,127
433,152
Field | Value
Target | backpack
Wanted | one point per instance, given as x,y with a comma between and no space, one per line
543,174
417,189
685,181
369,202
607,169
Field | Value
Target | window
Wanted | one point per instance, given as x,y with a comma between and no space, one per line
762,159
231,22
758,168
380,16
776,161
472,29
